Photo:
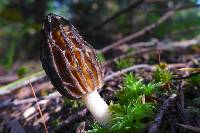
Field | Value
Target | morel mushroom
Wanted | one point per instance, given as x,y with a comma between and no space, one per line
72,65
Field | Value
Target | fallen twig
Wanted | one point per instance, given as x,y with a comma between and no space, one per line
130,54
8,78
22,82
159,46
29,100
154,128
183,115
189,127
141,32
183,31
118,73
73,117
146,66
186,77
131,6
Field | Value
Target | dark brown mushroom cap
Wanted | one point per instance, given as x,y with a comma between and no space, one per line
69,61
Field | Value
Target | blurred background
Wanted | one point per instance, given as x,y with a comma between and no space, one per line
146,31
21,21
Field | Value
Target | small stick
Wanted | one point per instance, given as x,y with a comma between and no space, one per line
186,77
189,127
141,32
118,73
22,82
154,128
73,117
29,100
158,56
160,46
138,66
131,6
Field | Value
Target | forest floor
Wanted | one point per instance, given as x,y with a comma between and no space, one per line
177,111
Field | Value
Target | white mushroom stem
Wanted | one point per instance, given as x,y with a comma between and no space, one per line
98,107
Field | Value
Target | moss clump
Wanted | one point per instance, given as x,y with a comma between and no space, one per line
129,112
194,80
22,71
161,74
124,63
101,57
73,103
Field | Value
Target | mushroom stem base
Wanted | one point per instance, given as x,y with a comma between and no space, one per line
98,107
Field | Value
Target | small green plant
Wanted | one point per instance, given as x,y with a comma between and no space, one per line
133,88
196,101
194,80
129,112
124,63
55,123
130,50
193,107
101,57
132,117
21,71
7,61
96,128
161,74
73,103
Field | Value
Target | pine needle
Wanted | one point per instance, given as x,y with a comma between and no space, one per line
38,106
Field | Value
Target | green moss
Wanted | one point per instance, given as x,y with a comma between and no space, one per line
22,71
131,118
194,80
134,88
101,57
129,113
193,110
55,123
124,63
130,50
96,128
161,74
196,101
73,103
